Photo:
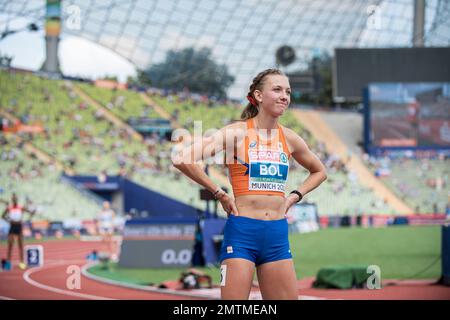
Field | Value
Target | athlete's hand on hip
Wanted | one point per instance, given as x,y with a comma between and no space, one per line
228,204
289,201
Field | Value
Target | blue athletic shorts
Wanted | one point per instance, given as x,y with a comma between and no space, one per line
259,241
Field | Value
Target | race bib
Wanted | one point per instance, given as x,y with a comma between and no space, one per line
268,170
15,215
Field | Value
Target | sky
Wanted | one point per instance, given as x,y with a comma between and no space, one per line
77,56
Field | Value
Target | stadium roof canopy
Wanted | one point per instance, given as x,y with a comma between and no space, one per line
243,34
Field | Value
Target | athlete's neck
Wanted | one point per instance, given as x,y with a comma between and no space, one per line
263,121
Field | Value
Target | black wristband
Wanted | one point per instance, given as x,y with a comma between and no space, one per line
300,196
217,192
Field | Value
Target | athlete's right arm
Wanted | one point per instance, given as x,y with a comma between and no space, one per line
187,159
4,215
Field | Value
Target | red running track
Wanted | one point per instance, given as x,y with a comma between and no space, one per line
50,282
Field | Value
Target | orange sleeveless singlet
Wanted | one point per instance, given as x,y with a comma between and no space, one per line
264,170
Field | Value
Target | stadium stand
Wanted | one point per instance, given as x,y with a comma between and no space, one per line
422,183
54,200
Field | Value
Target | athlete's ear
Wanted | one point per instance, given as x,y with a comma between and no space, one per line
258,95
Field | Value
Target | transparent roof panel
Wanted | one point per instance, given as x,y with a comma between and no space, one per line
244,34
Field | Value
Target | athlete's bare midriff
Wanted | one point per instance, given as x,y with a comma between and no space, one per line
261,207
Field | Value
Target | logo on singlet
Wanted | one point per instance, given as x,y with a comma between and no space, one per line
252,144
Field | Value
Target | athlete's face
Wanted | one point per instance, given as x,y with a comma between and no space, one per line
275,95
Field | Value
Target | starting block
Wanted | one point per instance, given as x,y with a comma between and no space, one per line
34,255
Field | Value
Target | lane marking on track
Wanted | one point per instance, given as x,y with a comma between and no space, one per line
6,298
29,272
89,275
198,294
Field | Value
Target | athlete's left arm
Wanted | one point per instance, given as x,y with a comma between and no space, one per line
307,159
30,212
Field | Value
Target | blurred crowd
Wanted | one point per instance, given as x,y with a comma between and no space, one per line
422,177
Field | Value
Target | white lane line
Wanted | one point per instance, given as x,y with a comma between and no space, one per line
211,294
6,298
91,276
29,272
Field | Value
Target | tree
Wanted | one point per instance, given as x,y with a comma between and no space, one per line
191,69
5,60
320,68
110,78
324,69
141,80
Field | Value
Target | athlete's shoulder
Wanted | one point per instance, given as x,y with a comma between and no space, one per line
289,133
294,140
236,124
237,128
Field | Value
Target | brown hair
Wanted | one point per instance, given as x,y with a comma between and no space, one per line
251,110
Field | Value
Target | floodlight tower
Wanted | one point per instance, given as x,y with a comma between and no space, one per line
419,23
52,31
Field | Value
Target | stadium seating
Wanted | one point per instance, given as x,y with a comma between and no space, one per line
422,183
75,135
103,150
53,199
123,103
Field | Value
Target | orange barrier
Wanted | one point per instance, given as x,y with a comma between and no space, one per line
17,126
110,84
40,224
